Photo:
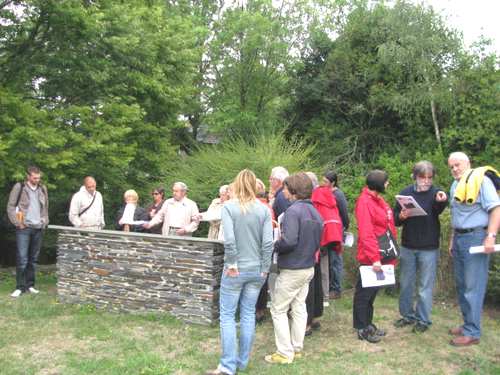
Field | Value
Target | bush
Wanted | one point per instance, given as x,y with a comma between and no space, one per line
213,166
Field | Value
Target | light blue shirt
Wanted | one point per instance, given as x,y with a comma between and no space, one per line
467,216
248,237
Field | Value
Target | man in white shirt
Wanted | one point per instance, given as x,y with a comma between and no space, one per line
179,214
86,209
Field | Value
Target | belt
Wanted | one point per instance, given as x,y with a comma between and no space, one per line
469,230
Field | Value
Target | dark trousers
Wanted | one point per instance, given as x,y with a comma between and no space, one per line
362,311
29,242
263,297
314,300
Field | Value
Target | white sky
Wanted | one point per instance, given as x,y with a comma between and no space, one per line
472,17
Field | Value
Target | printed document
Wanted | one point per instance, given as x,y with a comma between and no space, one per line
408,202
371,278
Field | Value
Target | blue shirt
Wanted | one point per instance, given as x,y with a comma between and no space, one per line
248,237
467,216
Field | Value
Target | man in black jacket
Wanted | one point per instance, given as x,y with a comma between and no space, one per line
420,248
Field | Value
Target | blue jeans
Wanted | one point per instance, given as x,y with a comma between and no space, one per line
425,263
471,279
242,290
29,241
337,271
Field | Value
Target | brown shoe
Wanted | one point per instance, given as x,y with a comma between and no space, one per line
464,341
457,331
335,295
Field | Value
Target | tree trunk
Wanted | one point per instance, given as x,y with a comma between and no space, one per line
435,122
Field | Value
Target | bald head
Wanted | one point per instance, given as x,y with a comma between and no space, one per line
90,184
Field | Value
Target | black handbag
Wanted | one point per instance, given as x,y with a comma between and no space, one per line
388,246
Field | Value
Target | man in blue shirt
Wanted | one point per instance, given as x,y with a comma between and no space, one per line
474,224
281,203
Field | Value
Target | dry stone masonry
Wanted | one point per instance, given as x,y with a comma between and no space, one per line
137,272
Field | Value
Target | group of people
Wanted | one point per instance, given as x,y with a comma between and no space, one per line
287,244
310,233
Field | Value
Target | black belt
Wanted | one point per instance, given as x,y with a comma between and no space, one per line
469,230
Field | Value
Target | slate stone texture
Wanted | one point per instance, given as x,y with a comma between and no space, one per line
135,272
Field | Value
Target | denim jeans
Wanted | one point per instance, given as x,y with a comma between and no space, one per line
336,271
29,241
423,262
471,278
242,290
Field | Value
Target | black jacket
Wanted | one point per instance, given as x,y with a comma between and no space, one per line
421,232
300,236
139,214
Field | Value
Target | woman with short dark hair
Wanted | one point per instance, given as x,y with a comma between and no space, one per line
375,218
158,195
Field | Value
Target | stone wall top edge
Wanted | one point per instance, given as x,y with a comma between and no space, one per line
115,233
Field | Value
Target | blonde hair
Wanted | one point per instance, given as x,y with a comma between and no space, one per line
261,187
244,188
131,194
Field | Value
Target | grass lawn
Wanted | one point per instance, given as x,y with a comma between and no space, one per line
40,336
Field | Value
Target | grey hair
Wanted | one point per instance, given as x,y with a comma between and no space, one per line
313,178
458,155
423,168
279,173
181,185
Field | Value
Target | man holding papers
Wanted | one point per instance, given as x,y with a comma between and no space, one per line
475,222
420,245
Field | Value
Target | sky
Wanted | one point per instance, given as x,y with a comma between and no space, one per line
472,17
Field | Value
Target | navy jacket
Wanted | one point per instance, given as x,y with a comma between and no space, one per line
280,204
301,231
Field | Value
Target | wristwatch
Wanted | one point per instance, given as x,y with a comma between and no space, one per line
492,235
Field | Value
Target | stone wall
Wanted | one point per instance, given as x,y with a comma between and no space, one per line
138,272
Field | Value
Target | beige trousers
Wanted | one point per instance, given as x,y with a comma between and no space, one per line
290,292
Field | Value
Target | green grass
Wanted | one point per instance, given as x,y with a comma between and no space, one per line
38,335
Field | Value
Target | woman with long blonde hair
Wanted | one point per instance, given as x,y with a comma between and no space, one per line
248,242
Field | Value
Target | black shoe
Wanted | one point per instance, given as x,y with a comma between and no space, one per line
368,335
315,325
403,322
377,331
420,328
309,332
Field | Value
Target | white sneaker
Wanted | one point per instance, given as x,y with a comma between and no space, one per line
16,293
33,290
326,304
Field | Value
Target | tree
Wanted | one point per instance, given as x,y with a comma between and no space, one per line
374,86
98,86
475,115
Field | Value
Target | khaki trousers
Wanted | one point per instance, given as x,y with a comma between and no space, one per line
290,292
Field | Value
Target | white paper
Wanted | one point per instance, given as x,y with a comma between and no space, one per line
369,277
480,249
349,239
411,205
211,215
276,234
128,214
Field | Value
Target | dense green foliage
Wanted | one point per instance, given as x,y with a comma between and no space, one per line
211,167
121,90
